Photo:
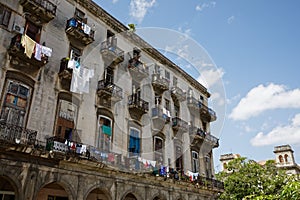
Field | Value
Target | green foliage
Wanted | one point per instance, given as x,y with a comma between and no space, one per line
249,180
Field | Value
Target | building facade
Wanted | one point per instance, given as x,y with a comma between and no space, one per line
89,110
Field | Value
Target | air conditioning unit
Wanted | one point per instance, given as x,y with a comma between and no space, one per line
18,29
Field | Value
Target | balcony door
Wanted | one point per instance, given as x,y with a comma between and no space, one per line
105,133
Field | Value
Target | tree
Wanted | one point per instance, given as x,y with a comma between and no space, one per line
249,180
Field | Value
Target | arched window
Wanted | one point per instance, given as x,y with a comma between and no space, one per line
105,133
280,159
286,158
134,146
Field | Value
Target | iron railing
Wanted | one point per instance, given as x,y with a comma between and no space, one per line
133,100
17,134
113,89
45,4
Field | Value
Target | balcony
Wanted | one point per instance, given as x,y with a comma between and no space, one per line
137,106
65,74
109,91
79,32
159,83
197,135
160,116
193,104
178,94
205,112
212,140
42,11
179,125
20,60
111,53
137,70
16,134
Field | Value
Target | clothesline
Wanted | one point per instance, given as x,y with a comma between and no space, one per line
32,46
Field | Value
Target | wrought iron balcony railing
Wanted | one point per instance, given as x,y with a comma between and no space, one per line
180,124
17,134
112,90
160,83
137,69
136,102
17,51
80,31
43,10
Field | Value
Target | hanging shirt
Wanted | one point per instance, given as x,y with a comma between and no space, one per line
38,52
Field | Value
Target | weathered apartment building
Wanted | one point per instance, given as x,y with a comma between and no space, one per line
89,110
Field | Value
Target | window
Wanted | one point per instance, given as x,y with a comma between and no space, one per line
175,80
16,103
167,104
105,133
109,75
156,69
195,161
79,15
167,75
157,99
286,158
5,14
33,31
176,110
201,98
134,142
158,150
136,90
75,53
280,159
66,119
179,160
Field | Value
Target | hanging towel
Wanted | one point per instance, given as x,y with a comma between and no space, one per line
28,44
38,52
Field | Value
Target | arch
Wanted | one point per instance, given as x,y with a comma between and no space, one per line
286,158
11,186
280,158
15,75
63,189
129,196
98,192
159,197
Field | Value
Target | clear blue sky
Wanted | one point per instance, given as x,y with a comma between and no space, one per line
255,44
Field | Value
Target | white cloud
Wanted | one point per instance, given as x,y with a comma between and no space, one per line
210,77
206,5
230,19
114,1
288,134
263,98
139,8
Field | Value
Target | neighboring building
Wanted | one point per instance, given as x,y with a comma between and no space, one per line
89,110
226,158
284,159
